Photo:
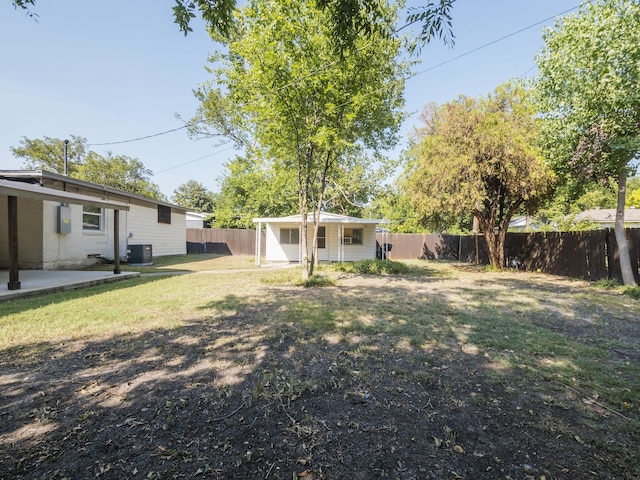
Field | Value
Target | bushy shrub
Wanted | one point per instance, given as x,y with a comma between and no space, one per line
372,267
293,277
319,281
633,292
607,283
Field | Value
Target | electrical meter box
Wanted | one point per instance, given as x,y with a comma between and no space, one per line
64,219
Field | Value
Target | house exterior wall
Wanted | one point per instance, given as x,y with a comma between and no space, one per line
78,248
142,221
277,252
351,253
29,233
40,246
143,228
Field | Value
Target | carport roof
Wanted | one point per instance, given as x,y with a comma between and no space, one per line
38,192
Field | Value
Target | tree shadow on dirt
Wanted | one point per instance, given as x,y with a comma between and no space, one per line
346,382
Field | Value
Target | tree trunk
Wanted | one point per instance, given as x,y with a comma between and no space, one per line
492,245
623,246
303,244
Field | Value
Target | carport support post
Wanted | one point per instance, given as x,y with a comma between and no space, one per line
116,242
258,243
14,279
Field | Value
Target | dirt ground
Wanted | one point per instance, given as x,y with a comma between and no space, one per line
285,403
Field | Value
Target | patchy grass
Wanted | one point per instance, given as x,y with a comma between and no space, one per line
445,368
185,263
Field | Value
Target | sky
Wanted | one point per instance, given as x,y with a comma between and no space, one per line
117,70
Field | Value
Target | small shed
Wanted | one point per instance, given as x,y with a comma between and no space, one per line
340,238
606,217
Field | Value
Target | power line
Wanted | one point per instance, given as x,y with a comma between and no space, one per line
138,138
469,52
194,160
314,72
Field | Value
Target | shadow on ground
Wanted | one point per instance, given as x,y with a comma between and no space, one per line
308,385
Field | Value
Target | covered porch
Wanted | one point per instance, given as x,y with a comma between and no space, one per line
17,189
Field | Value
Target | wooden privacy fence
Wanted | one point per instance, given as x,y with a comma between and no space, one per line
590,255
223,241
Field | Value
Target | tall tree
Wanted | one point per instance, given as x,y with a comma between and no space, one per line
283,89
194,195
479,156
590,97
117,171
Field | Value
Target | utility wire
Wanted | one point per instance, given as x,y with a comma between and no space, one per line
469,52
314,72
138,138
195,160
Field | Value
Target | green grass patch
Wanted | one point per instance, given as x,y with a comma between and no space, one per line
319,281
633,292
372,267
185,263
607,283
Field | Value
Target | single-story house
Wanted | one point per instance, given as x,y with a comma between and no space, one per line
197,219
524,223
340,238
606,217
62,222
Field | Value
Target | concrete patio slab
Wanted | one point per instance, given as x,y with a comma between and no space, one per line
37,282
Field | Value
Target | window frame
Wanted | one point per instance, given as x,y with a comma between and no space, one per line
164,214
322,237
99,214
289,236
349,238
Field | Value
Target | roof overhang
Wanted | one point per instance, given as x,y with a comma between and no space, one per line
38,192
324,218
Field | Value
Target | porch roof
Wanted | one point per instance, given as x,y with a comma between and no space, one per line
38,192
324,218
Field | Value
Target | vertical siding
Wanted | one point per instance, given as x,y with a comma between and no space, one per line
165,239
277,252
30,236
352,252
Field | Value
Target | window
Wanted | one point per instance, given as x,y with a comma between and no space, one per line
353,236
164,214
322,235
289,236
92,219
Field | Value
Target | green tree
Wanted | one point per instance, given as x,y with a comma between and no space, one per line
356,182
479,156
633,193
283,90
117,171
195,196
589,96
48,153
393,203
252,188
